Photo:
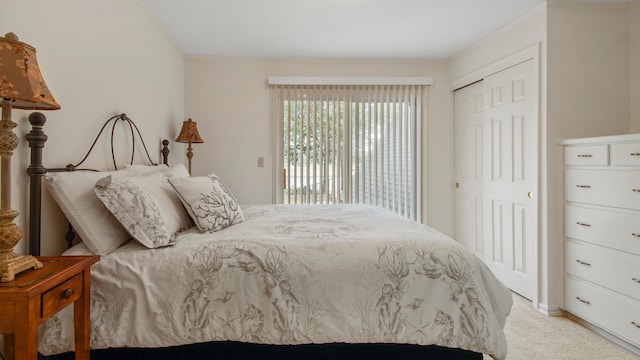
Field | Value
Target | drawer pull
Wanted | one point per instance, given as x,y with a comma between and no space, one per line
587,187
635,234
635,154
583,224
583,300
635,324
636,280
636,190
585,155
583,263
67,293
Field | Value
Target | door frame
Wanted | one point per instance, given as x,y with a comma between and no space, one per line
531,52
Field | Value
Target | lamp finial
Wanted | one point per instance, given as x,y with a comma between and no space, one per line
11,36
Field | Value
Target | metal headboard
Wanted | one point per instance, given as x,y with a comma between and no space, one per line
37,138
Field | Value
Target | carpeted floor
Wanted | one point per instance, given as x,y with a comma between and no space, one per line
532,335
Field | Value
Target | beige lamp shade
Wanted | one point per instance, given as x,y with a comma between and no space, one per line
20,77
189,133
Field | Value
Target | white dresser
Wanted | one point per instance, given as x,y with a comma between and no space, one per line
602,233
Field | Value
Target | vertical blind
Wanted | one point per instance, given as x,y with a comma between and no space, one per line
349,144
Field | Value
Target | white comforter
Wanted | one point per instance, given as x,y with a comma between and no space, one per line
293,275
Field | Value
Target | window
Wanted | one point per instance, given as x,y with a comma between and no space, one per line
349,144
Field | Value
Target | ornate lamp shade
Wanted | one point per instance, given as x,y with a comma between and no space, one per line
20,77
189,134
22,87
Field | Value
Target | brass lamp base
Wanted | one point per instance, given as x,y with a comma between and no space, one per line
11,267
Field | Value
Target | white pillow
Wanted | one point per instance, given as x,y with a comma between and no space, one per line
147,169
210,204
147,206
94,224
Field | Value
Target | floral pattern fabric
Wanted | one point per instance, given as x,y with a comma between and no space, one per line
208,201
136,210
146,206
295,274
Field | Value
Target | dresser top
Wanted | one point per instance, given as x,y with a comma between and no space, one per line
602,139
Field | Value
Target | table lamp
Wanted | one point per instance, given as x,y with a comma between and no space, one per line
189,134
21,87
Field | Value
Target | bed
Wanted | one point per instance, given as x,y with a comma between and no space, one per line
208,276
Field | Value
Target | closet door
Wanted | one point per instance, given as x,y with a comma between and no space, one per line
469,169
496,208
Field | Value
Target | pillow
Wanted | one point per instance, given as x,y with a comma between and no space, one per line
210,204
73,192
178,170
146,169
147,206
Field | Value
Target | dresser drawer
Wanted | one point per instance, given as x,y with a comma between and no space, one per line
586,155
607,310
608,268
626,154
610,188
61,296
615,229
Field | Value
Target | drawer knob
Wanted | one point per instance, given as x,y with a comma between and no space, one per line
67,293
583,300
583,224
584,155
636,280
583,186
583,263
635,324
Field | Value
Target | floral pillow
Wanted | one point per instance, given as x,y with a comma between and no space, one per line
208,201
147,207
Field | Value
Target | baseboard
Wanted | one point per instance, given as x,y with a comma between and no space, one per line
550,310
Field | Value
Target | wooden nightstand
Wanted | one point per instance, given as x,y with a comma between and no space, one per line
35,295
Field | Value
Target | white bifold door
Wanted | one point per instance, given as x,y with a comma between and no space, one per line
496,147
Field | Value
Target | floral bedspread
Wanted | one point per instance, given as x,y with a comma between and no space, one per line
293,274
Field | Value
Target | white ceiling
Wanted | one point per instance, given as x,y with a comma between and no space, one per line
345,29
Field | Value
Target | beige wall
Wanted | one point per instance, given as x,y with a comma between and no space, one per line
634,56
230,100
588,70
99,59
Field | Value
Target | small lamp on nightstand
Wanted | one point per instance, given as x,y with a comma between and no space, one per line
21,87
189,134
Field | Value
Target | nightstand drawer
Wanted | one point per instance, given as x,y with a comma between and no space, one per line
589,155
61,296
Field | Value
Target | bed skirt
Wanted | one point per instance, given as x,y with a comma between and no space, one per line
230,350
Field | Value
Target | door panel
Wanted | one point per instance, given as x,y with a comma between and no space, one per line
469,167
506,131
514,153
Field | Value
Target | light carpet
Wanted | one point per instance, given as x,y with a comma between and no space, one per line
532,335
